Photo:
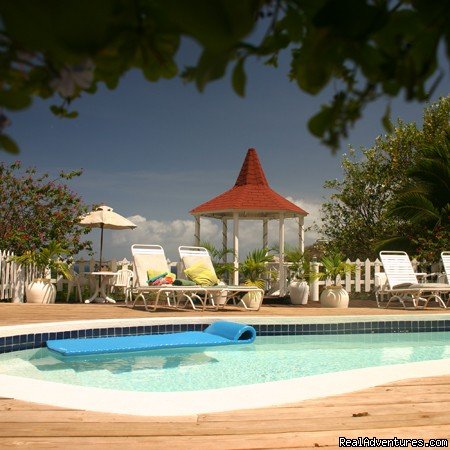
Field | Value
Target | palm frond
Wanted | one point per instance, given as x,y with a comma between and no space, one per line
426,200
415,207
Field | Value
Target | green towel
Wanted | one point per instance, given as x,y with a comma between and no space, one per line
151,280
179,282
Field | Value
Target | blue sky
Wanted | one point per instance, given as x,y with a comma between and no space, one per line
154,151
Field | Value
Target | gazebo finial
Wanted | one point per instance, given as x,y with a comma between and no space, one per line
251,171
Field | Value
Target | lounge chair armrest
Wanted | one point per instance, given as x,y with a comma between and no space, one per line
380,281
426,276
421,276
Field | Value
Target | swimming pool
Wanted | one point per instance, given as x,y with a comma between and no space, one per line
270,358
278,368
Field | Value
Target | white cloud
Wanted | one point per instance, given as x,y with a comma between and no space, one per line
312,207
168,234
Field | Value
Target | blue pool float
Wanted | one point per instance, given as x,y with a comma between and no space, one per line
218,333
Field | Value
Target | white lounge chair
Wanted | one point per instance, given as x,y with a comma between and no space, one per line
403,285
445,256
152,257
446,262
220,295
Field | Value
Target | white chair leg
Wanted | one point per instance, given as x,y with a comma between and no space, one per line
80,296
438,299
69,290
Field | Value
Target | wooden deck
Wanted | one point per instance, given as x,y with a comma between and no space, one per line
21,313
405,409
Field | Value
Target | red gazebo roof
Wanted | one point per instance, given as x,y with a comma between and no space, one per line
251,196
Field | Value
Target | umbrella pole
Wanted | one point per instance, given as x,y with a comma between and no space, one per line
101,255
101,246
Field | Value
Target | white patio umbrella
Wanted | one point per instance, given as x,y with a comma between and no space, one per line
104,217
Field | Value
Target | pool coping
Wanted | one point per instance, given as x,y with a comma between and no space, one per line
224,399
165,404
10,330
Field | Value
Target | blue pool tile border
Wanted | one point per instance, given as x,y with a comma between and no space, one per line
37,340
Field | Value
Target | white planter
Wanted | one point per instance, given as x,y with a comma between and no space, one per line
40,291
220,298
334,297
252,299
299,292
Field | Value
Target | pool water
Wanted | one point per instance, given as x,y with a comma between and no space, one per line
271,358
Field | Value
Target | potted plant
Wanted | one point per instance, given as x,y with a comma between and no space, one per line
334,269
298,274
254,270
44,261
222,269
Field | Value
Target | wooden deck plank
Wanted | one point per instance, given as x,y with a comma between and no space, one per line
54,428
63,416
268,441
9,404
21,313
412,408
321,412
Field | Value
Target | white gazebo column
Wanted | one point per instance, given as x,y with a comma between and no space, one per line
224,239
301,233
281,262
236,247
197,231
265,233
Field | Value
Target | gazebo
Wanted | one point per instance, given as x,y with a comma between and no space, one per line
251,198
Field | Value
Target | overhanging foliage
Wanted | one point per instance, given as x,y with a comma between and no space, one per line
366,48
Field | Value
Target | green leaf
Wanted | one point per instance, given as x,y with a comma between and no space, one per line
319,123
56,26
272,61
351,18
14,99
211,66
72,115
273,43
292,22
57,110
312,65
151,72
391,87
169,69
218,25
8,145
386,119
62,112
111,81
239,78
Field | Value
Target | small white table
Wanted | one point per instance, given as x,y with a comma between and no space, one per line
100,295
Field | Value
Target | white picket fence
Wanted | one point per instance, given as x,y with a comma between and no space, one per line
362,279
13,278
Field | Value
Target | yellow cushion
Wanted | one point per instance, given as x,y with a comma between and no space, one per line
202,275
190,261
